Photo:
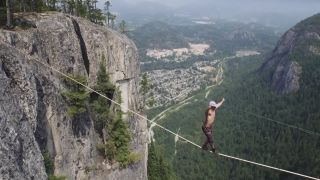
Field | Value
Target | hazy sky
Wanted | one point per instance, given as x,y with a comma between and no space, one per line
224,9
296,4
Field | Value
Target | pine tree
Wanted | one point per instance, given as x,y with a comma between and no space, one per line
103,80
123,27
151,101
76,96
121,138
99,104
9,13
116,146
144,86
64,5
158,168
107,6
22,5
52,4
153,163
70,7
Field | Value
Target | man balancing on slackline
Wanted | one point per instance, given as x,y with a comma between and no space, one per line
207,124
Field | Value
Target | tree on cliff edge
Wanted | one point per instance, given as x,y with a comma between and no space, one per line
144,87
9,13
123,27
107,10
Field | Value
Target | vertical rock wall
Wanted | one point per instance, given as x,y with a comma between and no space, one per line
32,95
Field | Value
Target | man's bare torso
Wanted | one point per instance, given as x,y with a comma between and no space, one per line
210,116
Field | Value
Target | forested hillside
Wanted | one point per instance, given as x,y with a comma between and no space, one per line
256,122
294,63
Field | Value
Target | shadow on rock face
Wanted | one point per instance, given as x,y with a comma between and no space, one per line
41,131
81,124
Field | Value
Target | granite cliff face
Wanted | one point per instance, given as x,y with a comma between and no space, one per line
293,53
33,113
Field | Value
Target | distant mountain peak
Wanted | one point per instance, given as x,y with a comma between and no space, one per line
295,51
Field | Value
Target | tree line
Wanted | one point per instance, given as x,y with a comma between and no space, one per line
82,8
158,167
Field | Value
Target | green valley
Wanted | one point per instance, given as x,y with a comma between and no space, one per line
287,137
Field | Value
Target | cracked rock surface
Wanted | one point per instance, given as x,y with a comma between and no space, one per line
33,112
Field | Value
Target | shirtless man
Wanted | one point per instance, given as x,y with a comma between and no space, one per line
207,124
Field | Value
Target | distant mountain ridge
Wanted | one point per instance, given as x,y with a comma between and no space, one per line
295,59
159,35
223,36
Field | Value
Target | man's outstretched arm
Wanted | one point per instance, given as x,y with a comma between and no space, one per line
220,103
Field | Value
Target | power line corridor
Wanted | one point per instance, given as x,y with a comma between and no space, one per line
165,129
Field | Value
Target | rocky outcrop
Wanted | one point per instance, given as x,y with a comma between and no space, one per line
286,77
33,112
19,152
284,67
